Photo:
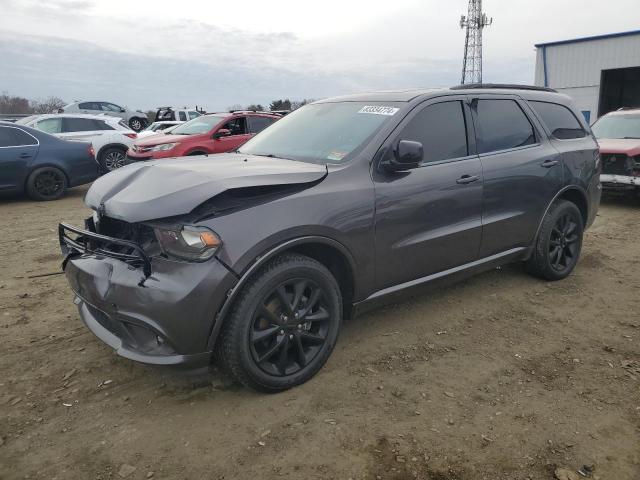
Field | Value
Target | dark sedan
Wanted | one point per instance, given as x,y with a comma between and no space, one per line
41,165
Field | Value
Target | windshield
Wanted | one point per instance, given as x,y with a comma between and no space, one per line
198,125
617,126
321,133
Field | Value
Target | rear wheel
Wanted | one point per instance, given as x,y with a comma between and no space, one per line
559,242
46,183
112,158
136,124
284,325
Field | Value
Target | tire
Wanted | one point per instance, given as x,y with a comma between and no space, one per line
46,183
559,242
136,124
112,158
262,345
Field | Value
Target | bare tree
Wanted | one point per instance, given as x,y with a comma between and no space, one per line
49,105
14,105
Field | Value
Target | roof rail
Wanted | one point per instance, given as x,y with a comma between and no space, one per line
502,85
254,111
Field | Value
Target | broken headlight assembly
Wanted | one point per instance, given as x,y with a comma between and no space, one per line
195,244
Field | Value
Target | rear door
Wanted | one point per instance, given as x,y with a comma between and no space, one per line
522,171
82,129
239,134
17,150
429,219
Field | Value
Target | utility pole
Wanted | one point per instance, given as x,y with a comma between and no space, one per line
474,22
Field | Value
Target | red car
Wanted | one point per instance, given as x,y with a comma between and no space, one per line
618,134
214,133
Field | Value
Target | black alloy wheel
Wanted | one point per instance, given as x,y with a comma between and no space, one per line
47,183
559,242
563,243
283,326
289,327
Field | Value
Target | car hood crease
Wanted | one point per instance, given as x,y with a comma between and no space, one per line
170,187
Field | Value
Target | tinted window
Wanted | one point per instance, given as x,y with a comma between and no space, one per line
110,107
102,125
7,139
257,124
502,125
183,116
50,125
23,138
79,125
89,106
561,122
441,130
238,126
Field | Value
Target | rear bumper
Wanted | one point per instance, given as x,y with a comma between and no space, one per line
167,321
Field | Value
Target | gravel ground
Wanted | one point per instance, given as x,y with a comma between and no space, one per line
500,377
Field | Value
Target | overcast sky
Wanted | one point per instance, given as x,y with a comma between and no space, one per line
148,53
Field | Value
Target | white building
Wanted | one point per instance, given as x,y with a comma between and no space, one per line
600,73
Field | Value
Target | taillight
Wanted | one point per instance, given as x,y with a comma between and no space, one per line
131,135
91,151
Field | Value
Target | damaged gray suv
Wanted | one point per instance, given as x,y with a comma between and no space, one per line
255,257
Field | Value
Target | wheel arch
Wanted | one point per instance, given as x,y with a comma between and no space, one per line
573,193
331,253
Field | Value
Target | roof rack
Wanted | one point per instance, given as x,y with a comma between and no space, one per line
503,85
254,111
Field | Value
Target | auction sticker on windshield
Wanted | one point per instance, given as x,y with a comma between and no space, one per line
377,110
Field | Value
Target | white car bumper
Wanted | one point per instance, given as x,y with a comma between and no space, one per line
619,180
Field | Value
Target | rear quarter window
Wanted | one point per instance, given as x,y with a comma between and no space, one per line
560,121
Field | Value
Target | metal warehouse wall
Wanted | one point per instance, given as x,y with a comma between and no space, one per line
575,68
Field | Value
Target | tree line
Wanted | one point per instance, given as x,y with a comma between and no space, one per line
13,104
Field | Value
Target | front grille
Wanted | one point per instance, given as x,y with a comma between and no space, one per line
133,232
617,164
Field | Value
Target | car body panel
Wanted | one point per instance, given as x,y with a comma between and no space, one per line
193,181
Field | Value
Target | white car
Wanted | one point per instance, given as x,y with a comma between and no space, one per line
157,128
136,120
110,136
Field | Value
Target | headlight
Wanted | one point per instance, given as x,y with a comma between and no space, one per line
188,242
163,147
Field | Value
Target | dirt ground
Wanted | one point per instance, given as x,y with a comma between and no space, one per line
500,377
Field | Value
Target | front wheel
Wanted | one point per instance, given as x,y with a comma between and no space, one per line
284,325
559,242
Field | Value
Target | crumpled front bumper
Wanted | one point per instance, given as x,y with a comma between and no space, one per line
619,182
166,321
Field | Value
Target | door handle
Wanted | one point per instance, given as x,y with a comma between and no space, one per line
25,155
465,179
549,163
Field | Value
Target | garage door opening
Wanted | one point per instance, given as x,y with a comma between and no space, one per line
619,87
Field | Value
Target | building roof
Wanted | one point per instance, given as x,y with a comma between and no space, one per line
587,39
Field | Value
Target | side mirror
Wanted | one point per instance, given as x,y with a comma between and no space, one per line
223,132
407,155
122,110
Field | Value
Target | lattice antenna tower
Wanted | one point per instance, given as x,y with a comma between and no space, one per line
474,23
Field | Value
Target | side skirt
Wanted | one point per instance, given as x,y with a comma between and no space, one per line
436,280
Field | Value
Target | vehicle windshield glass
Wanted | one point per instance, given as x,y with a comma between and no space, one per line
617,126
322,133
198,125
26,120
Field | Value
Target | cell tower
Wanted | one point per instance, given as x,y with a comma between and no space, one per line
474,22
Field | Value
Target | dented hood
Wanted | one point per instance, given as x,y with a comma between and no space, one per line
169,187
629,146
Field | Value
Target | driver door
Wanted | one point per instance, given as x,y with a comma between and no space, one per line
428,219
238,135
